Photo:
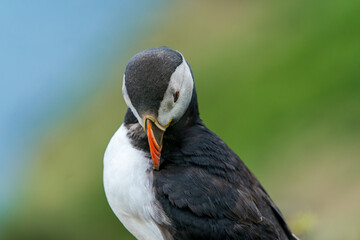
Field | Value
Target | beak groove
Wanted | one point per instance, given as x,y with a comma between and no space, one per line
155,136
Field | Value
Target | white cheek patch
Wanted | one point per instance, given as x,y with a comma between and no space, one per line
128,102
181,80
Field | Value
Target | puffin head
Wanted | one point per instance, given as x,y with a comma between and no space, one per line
157,87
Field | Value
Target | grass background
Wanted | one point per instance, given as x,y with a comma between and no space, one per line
278,81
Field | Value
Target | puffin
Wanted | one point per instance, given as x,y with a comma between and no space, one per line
167,176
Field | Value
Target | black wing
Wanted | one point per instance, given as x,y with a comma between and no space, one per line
208,193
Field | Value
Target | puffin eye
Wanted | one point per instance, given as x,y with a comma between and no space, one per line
176,96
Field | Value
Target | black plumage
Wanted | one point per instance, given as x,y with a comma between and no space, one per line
203,187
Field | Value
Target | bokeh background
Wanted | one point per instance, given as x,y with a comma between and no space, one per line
279,81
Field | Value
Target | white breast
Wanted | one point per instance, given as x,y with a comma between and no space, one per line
128,187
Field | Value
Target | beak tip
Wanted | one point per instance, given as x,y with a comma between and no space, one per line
156,161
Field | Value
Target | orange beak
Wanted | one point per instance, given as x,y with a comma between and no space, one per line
155,136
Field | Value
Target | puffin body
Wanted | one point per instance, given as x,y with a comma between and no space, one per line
167,176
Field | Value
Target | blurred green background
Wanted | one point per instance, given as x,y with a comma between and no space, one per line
278,81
